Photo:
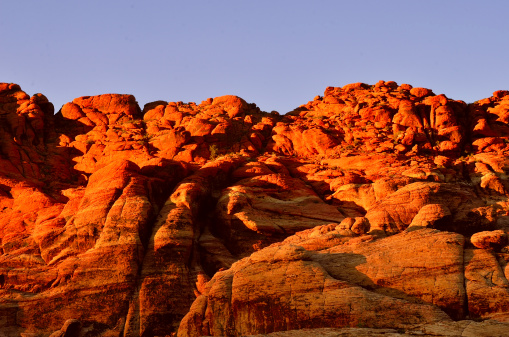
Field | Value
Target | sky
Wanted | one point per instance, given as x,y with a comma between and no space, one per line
278,54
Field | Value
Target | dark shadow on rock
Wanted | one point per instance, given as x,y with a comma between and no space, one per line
342,266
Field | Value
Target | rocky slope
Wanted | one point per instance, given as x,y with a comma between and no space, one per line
373,210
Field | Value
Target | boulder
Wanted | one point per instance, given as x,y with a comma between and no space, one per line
489,239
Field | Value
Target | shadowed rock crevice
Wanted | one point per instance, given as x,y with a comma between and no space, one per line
212,249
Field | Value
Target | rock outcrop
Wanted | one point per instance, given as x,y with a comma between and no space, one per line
371,210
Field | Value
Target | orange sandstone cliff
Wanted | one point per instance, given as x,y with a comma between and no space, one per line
374,210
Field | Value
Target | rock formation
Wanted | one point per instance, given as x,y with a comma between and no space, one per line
373,210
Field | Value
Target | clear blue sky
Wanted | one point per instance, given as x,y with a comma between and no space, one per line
277,54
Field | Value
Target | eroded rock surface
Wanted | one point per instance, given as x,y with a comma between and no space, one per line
373,209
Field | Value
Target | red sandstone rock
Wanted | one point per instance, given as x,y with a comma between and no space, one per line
489,239
264,209
464,328
420,92
119,217
71,328
396,212
487,296
313,289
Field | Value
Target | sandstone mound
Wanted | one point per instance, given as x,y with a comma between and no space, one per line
371,210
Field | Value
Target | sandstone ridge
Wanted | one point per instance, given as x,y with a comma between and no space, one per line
371,210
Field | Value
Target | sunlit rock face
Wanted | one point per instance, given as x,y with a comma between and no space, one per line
371,210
